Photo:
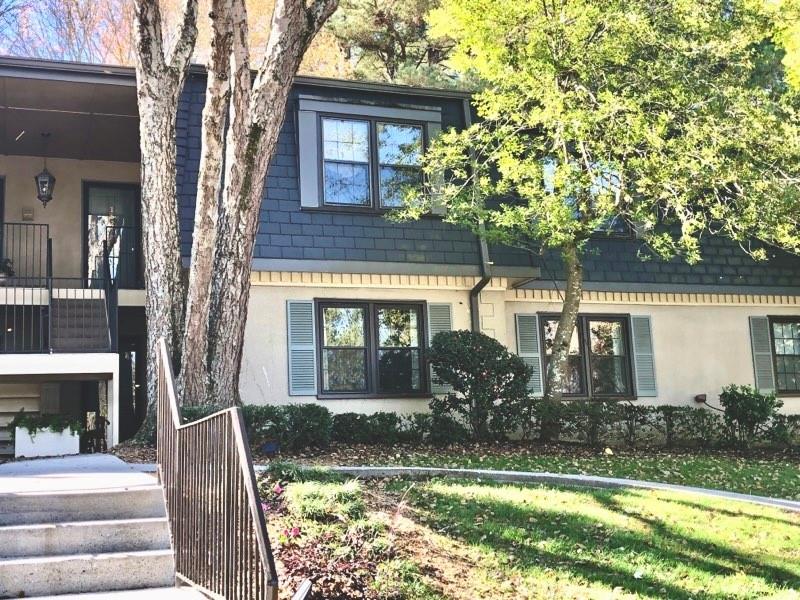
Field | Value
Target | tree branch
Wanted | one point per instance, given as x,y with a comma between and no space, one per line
182,49
148,37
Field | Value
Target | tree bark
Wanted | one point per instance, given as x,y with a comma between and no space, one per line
256,117
557,365
160,79
193,378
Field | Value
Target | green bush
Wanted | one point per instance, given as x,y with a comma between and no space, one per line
490,384
306,426
444,430
748,413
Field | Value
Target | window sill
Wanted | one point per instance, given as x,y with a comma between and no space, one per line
358,210
372,396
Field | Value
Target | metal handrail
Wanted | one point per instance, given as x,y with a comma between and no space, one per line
219,534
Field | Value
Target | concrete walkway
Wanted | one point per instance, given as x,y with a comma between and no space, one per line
534,477
84,472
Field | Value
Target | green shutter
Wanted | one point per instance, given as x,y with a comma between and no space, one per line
440,318
302,349
761,343
529,350
644,363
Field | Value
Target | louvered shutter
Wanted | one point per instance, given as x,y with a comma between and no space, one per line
302,350
761,343
529,350
644,363
440,318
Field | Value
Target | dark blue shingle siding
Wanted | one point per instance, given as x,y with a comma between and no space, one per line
286,232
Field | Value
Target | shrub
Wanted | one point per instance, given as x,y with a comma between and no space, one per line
748,413
378,428
444,430
350,428
701,426
306,425
490,384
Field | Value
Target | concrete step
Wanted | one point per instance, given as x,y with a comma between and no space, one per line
181,593
140,502
81,537
80,573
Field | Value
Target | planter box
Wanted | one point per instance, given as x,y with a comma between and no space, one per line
45,443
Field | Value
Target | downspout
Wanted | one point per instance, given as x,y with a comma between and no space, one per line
483,251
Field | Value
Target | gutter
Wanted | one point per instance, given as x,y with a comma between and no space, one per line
483,251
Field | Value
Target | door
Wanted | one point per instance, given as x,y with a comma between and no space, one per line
111,215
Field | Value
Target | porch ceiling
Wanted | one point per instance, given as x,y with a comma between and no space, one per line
87,120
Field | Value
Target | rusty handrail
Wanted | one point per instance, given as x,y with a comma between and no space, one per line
219,534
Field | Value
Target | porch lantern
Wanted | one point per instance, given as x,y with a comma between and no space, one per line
45,182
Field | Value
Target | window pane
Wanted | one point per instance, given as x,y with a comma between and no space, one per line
345,140
609,363
397,183
344,370
343,326
346,183
399,144
573,378
787,355
399,370
397,328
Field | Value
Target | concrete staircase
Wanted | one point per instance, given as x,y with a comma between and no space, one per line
78,537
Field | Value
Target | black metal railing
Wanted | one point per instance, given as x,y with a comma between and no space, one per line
23,248
219,533
45,314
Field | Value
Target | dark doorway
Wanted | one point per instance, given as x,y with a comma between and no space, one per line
132,370
111,216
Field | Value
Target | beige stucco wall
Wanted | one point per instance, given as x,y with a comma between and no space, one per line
701,342
264,377
698,348
64,213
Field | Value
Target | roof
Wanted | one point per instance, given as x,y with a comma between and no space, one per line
35,68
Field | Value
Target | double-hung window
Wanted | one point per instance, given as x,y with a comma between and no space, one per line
785,333
371,348
370,162
599,362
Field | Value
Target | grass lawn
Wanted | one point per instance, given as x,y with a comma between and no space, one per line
450,539
775,475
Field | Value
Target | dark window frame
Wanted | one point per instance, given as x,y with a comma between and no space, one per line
371,334
586,355
774,354
373,162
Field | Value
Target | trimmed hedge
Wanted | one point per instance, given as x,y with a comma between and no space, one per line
299,426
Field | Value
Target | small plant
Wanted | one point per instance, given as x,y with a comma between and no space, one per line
7,267
35,422
490,384
747,413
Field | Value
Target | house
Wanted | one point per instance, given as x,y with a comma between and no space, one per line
344,302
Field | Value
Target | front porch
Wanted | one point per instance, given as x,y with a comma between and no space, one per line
71,270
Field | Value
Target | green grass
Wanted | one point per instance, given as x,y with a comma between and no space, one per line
532,542
779,477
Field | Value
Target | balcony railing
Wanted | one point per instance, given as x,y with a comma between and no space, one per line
40,313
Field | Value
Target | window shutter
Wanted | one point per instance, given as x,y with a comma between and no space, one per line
440,318
436,180
308,150
761,343
644,363
302,350
529,350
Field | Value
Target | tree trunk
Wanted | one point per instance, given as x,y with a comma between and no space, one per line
257,116
159,80
557,365
193,378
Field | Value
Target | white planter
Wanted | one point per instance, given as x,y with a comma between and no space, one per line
45,443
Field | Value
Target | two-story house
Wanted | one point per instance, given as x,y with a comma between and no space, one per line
343,302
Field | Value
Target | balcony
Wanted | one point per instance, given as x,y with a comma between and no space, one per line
43,313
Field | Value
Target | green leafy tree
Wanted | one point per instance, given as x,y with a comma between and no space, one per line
389,40
598,115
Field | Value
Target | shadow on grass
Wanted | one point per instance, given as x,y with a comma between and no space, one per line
748,511
603,548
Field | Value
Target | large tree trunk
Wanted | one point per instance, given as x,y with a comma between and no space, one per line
256,118
193,378
557,365
159,78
